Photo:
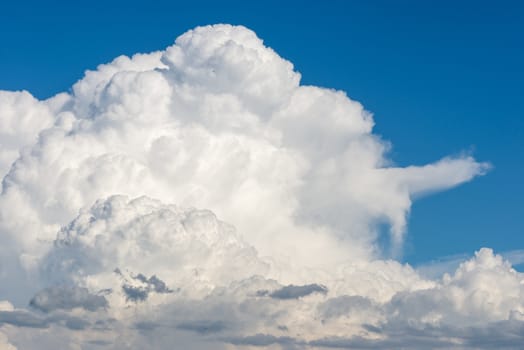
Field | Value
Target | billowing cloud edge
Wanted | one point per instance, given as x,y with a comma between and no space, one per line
219,121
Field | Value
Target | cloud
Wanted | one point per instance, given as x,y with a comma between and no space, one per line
153,283
4,343
134,293
201,196
515,257
146,286
203,327
120,241
67,298
219,121
22,319
262,340
295,292
344,305
23,118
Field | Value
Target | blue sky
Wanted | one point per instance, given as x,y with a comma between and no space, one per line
440,77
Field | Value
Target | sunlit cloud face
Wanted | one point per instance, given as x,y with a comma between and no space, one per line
201,196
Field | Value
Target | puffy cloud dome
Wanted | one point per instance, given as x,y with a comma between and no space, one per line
201,194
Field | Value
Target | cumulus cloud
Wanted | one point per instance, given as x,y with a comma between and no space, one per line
200,195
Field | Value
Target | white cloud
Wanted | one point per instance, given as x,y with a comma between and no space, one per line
22,119
4,343
122,242
103,226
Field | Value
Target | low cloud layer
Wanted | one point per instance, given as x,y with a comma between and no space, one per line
201,196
